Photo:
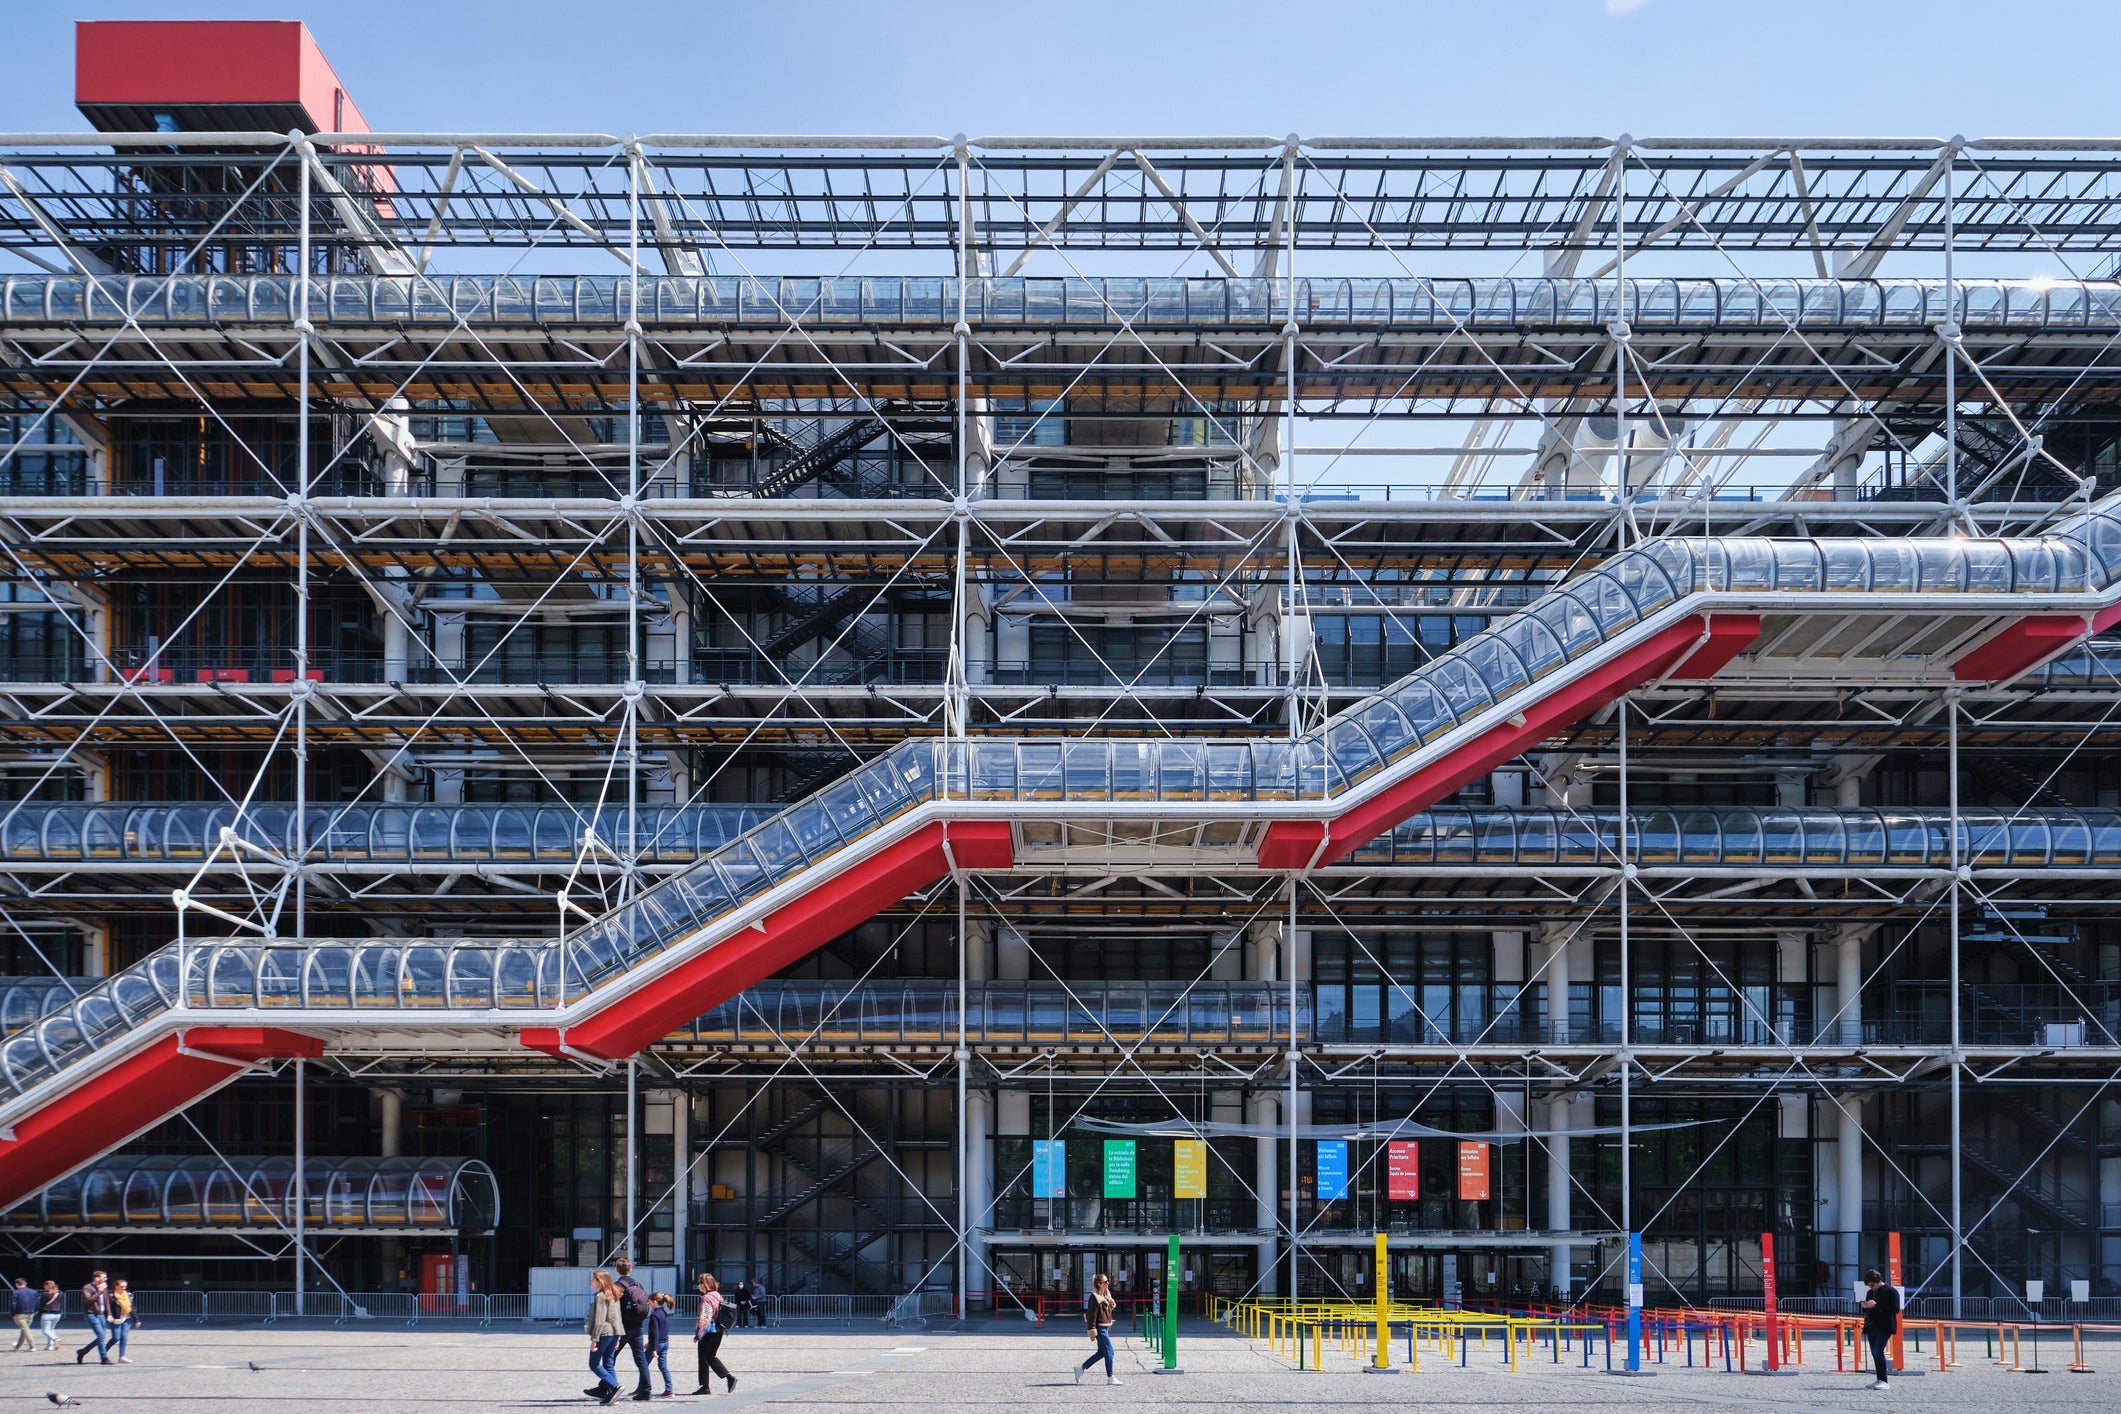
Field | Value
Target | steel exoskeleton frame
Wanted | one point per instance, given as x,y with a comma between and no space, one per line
1123,361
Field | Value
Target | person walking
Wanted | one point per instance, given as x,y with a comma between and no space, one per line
634,1306
122,1319
1098,1311
1881,1322
605,1330
23,1304
51,1305
95,1305
659,1336
707,1334
758,1300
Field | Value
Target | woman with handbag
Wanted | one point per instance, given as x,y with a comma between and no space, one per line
715,1317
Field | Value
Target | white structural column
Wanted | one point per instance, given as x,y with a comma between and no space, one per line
633,1164
681,1187
979,1181
301,1196
1848,1191
390,1111
1848,988
1264,1115
1561,1257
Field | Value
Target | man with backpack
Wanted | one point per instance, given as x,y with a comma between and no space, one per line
634,1305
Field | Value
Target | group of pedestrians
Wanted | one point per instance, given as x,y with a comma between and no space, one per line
625,1314
107,1305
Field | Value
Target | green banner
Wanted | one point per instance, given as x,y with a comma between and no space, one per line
1119,1168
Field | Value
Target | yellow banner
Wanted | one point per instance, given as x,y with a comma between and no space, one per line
1189,1168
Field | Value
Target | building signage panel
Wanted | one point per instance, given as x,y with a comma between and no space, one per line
1472,1171
1119,1168
1332,1170
1403,1171
1049,1168
1189,1168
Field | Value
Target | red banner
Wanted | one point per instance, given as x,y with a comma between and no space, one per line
1472,1171
1403,1170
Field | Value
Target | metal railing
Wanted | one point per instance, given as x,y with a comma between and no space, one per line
1263,304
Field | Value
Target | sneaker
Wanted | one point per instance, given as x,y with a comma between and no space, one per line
595,1391
79,1356
703,1389
1877,1384
1078,1374
1112,1379
641,1394
732,1385
125,1359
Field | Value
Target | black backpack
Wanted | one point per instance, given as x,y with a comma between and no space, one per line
638,1303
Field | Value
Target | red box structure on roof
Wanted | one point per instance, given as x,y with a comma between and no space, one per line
252,67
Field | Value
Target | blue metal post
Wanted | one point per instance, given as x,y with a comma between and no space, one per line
1634,1301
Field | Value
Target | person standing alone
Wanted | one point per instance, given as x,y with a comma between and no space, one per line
95,1304
1881,1321
23,1305
707,1333
1098,1310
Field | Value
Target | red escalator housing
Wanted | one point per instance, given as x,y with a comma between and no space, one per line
832,905
1696,647
138,1092
2028,642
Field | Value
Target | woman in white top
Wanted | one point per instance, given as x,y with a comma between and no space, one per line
707,1331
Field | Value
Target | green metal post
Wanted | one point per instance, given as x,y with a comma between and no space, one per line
1171,1287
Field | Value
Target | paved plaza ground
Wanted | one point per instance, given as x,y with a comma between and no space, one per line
990,1366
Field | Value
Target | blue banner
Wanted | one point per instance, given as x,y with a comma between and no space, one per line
1332,1170
1049,1168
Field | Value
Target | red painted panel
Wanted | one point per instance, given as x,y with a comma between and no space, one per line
1727,637
1693,643
2029,641
207,62
116,1103
644,1016
1290,844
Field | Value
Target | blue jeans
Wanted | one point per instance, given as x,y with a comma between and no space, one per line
603,1360
99,1327
662,1363
1103,1351
119,1329
636,1341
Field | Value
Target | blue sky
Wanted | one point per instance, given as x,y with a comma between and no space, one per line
1792,67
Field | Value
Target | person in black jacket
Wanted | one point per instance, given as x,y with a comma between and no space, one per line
634,1306
1881,1321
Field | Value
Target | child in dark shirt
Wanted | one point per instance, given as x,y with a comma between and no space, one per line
657,1335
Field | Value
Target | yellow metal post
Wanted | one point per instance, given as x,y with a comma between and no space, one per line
1384,1306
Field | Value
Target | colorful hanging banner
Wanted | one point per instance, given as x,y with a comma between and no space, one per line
1049,1168
1119,1168
1472,1171
1189,1168
1403,1171
1332,1170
